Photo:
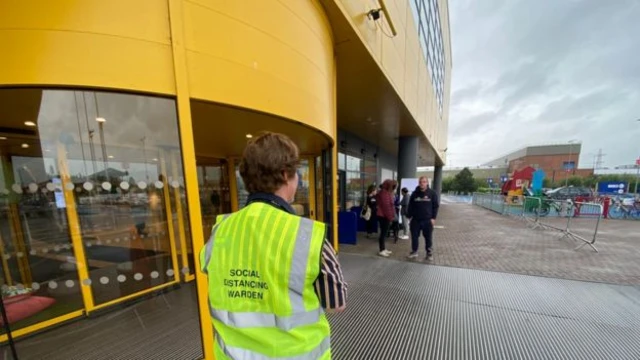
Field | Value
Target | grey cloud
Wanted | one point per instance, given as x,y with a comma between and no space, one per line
545,71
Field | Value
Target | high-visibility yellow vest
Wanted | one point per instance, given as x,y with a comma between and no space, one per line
262,263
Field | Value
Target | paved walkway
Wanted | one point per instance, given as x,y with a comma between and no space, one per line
476,238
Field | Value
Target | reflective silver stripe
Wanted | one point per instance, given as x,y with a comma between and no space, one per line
257,319
209,246
240,353
298,270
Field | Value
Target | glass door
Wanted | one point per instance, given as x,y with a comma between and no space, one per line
213,184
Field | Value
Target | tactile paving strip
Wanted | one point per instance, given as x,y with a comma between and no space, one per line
401,310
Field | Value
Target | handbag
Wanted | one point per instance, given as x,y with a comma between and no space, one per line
366,213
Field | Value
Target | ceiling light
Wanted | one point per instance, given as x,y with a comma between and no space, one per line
154,159
3,138
249,136
101,119
110,156
30,123
25,145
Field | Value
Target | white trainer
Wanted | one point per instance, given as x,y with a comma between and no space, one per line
383,253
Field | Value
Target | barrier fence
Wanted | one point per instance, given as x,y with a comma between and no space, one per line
493,202
547,214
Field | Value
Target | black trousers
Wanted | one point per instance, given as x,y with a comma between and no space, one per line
384,230
371,224
426,228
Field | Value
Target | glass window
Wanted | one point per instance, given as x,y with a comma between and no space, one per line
243,194
354,189
370,172
302,201
93,205
354,163
430,35
319,189
387,174
415,10
341,161
214,191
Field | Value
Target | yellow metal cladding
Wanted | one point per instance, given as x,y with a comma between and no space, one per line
236,54
275,57
97,43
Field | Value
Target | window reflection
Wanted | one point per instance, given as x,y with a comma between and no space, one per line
91,202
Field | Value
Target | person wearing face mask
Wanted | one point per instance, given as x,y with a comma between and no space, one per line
271,274
422,214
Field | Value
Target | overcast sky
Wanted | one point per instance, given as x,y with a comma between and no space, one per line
545,71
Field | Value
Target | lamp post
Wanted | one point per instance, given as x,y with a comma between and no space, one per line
101,121
566,179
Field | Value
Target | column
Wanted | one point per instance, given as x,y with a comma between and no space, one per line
437,179
407,157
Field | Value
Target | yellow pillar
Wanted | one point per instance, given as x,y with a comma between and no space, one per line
167,203
189,162
184,254
74,228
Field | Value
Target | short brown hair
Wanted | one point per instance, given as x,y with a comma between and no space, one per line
266,160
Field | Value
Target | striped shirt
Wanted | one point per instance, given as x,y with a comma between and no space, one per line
330,286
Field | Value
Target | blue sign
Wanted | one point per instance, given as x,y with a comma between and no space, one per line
490,180
504,178
612,187
568,165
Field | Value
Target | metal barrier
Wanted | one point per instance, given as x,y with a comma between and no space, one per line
569,210
493,202
531,207
534,209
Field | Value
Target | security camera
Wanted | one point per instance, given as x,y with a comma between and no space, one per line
374,14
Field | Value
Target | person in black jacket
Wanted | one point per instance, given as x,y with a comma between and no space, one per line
422,214
372,223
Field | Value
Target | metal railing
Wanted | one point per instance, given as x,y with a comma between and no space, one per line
493,202
533,210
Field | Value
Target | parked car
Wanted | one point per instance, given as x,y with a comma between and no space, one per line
570,192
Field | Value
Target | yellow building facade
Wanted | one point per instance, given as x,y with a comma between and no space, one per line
121,129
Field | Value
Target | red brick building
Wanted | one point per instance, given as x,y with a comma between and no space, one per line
557,161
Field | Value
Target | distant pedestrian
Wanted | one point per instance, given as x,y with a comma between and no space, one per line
404,205
372,204
422,214
385,213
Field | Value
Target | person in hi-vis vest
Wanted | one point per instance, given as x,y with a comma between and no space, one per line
271,273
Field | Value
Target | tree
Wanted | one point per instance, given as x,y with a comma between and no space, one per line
447,184
590,181
575,181
464,182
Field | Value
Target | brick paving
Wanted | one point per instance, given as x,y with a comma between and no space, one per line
476,238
